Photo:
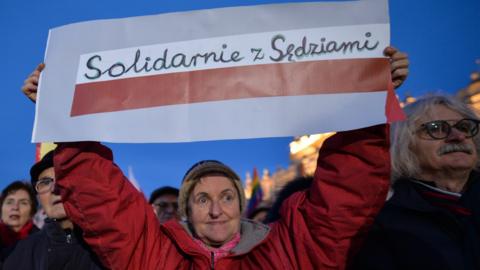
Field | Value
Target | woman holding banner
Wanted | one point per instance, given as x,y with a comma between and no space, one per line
318,229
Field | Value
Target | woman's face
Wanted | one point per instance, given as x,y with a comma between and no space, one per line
214,210
16,209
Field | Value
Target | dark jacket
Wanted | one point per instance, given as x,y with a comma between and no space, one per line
52,248
6,249
411,233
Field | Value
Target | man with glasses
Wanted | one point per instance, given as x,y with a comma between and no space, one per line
164,201
432,220
59,245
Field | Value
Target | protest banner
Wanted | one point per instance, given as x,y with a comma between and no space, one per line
228,73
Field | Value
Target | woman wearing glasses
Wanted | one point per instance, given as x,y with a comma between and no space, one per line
18,207
433,219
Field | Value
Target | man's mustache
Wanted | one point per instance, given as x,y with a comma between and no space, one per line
455,147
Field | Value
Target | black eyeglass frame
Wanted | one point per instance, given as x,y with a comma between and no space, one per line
471,132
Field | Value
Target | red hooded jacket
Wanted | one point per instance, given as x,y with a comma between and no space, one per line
318,229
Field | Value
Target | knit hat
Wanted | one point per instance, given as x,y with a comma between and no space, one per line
162,191
45,163
203,168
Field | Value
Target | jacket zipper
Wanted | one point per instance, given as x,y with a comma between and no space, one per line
213,261
69,238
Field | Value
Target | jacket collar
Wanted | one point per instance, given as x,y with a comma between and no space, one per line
252,233
405,194
56,233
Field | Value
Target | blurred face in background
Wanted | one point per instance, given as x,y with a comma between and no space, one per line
260,216
16,209
165,207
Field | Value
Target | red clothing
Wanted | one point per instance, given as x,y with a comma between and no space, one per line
9,237
319,229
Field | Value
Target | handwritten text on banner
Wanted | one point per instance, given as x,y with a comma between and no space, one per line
288,69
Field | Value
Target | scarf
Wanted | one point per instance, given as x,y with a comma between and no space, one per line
222,251
10,237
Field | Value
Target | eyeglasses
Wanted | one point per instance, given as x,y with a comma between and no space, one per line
441,129
166,205
45,185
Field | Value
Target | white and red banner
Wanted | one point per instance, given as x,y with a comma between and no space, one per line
229,73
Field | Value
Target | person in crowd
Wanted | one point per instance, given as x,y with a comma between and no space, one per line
260,213
164,201
18,207
59,244
317,228
432,221
300,183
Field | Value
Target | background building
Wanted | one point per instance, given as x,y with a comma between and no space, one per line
471,93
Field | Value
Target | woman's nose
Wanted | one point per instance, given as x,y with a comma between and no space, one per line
215,209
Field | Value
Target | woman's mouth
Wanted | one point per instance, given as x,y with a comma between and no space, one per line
14,217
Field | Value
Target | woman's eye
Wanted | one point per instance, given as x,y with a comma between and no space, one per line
9,202
202,200
228,198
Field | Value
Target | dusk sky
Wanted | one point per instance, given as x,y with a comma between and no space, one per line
442,39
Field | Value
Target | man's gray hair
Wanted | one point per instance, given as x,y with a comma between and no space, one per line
404,160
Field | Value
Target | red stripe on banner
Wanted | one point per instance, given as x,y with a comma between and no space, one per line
270,80
393,110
